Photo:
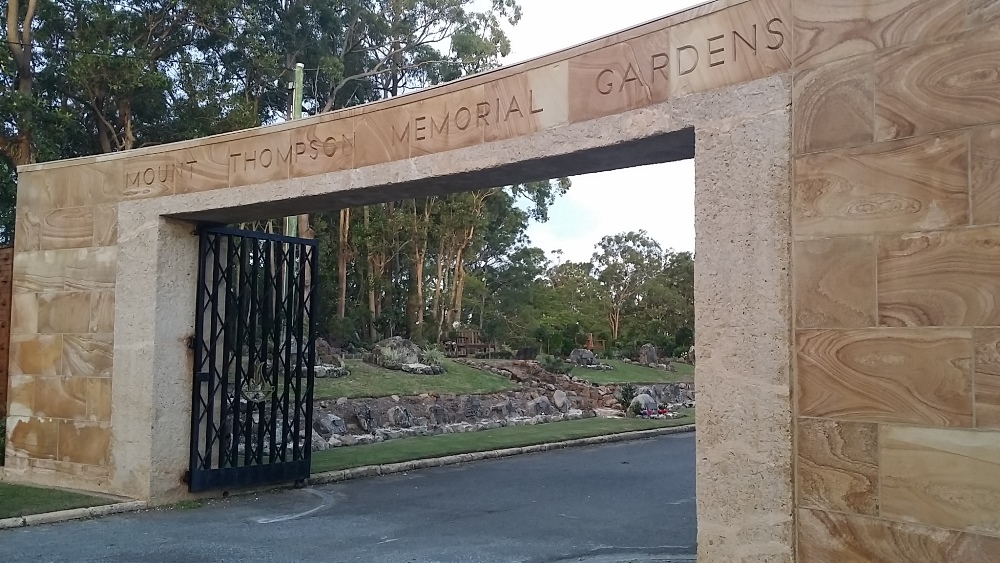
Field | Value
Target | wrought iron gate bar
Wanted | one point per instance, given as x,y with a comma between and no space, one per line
255,329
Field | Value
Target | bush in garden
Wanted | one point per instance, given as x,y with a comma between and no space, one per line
625,394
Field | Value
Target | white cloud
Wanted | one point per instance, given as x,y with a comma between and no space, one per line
658,199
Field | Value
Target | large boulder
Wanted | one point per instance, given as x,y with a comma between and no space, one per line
539,406
329,424
366,418
645,402
582,357
393,352
399,417
472,407
437,415
647,355
560,400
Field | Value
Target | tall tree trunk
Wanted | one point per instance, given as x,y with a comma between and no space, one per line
19,148
342,251
458,285
415,297
439,282
445,312
372,276
614,320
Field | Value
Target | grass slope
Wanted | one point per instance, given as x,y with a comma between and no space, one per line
634,373
20,500
423,447
367,380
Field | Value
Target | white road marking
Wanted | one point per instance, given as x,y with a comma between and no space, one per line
328,501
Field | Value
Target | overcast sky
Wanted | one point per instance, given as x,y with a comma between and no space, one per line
657,198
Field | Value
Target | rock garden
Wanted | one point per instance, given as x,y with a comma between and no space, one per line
533,392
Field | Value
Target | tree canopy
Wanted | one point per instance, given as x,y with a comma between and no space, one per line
83,77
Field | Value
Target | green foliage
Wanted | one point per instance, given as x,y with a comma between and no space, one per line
681,351
432,357
555,364
626,392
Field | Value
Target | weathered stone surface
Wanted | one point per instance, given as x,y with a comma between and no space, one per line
941,477
399,416
838,466
582,357
329,424
560,400
919,376
437,414
540,406
394,352
829,537
835,283
644,402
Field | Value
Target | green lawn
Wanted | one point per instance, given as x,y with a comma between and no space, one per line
19,500
367,380
634,373
423,447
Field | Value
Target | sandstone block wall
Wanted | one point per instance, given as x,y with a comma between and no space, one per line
896,261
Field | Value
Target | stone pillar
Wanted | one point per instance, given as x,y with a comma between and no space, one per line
743,324
154,318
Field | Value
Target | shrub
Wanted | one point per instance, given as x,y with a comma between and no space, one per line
553,364
432,357
637,409
681,352
388,358
625,394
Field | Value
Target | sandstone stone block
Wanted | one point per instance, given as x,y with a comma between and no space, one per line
941,477
828,537
834,105
835,283
926,88
985,180
827,31
946,278
838,466
886,375
84,442
906,185
64,312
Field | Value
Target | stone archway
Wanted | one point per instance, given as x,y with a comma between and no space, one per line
868,196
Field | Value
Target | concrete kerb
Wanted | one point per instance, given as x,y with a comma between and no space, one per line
72,514
390,468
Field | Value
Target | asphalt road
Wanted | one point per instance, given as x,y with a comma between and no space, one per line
631,501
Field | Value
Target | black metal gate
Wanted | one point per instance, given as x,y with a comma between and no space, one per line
254,353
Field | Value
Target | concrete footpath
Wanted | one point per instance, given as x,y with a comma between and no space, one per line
627,501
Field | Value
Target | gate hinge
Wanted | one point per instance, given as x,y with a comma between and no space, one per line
189,341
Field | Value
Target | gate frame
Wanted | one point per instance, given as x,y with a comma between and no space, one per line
297,469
